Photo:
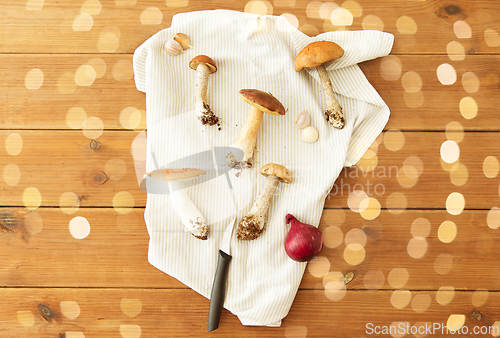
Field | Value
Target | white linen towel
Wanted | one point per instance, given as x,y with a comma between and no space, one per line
251,51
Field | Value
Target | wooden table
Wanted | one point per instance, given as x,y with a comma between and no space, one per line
412,230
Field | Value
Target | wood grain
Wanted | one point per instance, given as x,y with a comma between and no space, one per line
112,93
114,254
52,28
183,313
77,168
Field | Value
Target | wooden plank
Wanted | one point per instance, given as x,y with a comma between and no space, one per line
69,164
103,27
112,97
114,254
183,313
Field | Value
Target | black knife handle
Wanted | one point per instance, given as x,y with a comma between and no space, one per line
218,290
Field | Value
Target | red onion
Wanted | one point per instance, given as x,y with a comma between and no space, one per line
303,242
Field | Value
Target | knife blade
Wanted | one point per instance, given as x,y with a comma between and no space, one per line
219,286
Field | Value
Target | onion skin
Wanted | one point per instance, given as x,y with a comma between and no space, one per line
303,242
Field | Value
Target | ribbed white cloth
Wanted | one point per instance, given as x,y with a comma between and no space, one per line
251,51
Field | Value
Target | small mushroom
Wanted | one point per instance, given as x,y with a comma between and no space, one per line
261,103
314,55
204,66
253,223
183,206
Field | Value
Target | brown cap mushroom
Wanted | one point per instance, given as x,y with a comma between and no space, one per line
204,66
314,55
253,223
261,103
277,170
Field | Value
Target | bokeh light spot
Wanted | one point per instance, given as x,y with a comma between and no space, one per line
468,108
470,82
131,307
421,302
296,331
459,174
421,227
396,203
398,277
13,144
355,236
341,17
374,280
92,7
454,131
447,231
76,117
93,128
417,247
33,79
34,5
455,322
83,23
259,7
450,151
455,203
25,318
411,81
406,25
462,29
372,22
445,295
123,70
372,210
79,227
491,37
443,263
11,174
391,68
455,51
446,74
318,266
332,237
69,202
480,297
354,254
85,75
493,218
151,16
33,223
99,66
115,168
400,299
130,331
394,139
313,9
414,100
123,202
70,309
32,199
491,167
108,39
355,200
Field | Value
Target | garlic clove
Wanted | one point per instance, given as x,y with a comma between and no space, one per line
303,120
173,47
309,134
183,40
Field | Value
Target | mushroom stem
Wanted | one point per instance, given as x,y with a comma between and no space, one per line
247,137
205,114
252,224
187,211
334,113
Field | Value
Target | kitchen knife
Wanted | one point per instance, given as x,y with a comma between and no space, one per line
220,279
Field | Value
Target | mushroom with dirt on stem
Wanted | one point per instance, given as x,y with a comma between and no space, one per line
253,223
183,206
204,66
261,103
315,55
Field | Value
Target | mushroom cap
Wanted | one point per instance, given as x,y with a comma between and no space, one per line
317,53
204,60
262,101
175,174
277,170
